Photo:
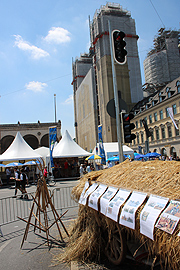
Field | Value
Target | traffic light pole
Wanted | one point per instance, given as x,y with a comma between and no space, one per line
118,118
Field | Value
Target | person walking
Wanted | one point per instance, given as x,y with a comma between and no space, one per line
45,173
66,166
17,181
81,170
8,175
24,179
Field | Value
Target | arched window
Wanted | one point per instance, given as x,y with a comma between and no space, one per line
45,140
6,142
32,140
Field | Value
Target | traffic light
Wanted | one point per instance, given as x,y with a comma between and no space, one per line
127,127
118,46
148,133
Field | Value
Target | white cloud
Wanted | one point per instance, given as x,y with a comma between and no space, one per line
69,100
35,52
35,86
58,35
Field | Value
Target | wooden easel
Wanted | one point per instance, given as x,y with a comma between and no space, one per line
42,200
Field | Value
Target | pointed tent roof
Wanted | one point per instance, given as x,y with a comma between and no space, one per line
19,150
67,147
43,151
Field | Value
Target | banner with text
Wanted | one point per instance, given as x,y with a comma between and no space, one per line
52,140
101,146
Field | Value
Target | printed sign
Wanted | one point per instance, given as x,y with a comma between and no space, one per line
95,195
114,205
86,186
150,213
127,217
110,192
101,146
170,217
87,193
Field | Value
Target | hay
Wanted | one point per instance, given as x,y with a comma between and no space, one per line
87,241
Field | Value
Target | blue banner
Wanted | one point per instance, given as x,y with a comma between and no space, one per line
101,147
52,140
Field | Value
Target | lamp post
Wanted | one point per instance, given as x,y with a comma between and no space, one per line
55,107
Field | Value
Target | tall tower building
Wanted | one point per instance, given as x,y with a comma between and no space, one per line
97,85
162,64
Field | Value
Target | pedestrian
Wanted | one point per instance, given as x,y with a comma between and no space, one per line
109,164
73,168
81,170
23,178
66,166
45,173
17,181
8,175
88,169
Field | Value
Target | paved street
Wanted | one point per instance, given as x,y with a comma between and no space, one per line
6,192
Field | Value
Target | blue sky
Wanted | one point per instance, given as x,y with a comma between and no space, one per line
38,40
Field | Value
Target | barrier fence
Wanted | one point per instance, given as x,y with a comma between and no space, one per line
11,208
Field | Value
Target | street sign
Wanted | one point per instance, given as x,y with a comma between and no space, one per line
111,107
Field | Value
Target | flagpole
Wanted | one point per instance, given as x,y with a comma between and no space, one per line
55,108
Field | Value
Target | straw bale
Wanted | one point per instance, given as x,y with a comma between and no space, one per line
161,178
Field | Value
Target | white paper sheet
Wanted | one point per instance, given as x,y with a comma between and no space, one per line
114,205
86,186
95,195
150,213
127,217
169,217
106,197
88,192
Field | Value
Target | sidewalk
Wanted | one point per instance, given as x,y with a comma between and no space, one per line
35,254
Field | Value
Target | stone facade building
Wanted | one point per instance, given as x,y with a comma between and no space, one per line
93,78
165,137
35,134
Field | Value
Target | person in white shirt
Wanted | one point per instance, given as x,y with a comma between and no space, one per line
81,170
88,169
109,164
17,181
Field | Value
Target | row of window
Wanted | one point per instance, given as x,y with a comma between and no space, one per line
152,101
155,116
157,134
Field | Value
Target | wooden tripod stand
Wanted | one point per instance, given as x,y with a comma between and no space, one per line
42,200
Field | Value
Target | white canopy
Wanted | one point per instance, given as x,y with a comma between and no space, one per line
67,147
112,149
43,151
19,150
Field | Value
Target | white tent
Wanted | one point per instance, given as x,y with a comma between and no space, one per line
111,149
43,151
19,150
67,147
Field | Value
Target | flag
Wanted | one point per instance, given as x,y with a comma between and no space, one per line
101,146
52,140
170,111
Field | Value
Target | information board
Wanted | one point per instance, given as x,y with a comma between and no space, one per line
127,217
95,195
114,205
169,217
106,197
150,213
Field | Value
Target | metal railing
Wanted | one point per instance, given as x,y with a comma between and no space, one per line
11,208
61,198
